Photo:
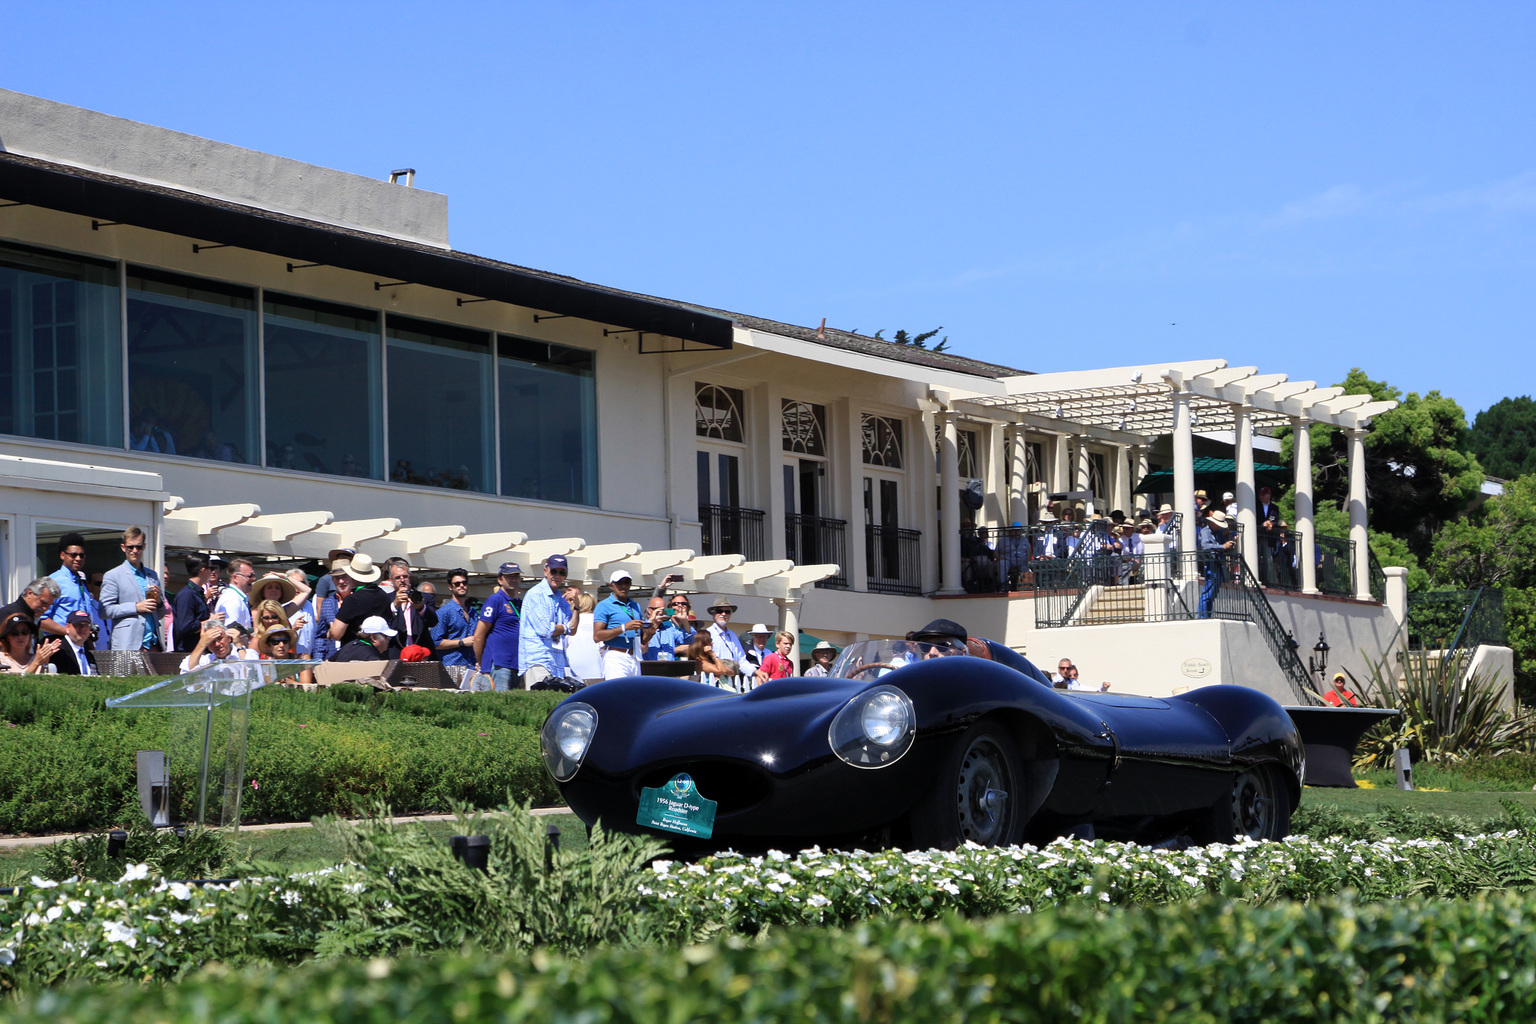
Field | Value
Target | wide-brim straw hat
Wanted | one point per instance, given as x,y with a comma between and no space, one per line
1219,518
720,604
254,597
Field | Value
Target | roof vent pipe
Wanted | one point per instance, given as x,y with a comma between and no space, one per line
408,172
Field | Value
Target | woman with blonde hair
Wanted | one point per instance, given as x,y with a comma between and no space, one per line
268,615
582,654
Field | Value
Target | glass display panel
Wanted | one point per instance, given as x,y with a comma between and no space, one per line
192,367
324,387
439,405
61,348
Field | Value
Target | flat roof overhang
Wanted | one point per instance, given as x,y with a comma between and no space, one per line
108,198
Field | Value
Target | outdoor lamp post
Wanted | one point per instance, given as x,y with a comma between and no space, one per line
1317,662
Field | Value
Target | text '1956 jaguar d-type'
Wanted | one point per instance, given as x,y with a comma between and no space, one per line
922,744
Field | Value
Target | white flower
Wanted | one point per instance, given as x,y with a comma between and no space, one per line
134,873
181,890
55,912
43,883
818,900
118,931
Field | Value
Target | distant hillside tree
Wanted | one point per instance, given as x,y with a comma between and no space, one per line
1504,437
916,340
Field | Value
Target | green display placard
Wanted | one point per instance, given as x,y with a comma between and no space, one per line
677,807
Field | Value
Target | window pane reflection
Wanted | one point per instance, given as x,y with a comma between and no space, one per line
191,367
439,405
324,387
548,421
60,348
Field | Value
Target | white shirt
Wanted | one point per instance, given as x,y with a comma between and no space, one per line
80,658
234,606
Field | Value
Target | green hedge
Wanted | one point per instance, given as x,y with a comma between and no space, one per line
67,762
1191,963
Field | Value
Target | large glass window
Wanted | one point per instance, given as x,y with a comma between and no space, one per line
61,343
192,374
548,421
439,405
324,387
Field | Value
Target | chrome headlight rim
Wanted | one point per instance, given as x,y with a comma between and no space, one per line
563,757
874,729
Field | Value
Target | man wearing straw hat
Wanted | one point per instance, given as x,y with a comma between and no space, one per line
1215,542
822,654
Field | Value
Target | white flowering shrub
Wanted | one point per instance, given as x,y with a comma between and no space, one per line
145,928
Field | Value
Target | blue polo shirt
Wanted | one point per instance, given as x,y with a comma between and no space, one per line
612,613
73,597
503,616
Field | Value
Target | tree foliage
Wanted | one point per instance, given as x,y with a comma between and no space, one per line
1504,437
916,340
1419,470
1496,547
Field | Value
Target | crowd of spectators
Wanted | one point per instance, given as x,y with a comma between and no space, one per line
552,634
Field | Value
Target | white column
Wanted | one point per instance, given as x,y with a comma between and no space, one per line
1307,554
1357,514
1061,464
1080,463
1247,503
848,496
1121,482
789,622
1018,491
1137,471
1184,471
949,503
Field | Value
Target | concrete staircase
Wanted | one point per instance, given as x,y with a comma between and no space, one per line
1115,604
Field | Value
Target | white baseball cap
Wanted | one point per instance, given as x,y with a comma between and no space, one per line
375,624
619,574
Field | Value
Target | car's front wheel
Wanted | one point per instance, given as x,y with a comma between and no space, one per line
978,793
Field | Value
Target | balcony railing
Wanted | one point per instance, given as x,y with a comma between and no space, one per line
817,540
1280,562
894,557
731,530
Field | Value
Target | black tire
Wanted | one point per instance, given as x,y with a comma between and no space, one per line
977,796
1258,807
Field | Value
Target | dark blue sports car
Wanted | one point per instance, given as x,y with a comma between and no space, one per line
925,742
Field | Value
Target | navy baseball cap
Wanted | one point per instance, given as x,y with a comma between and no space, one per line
556,562
78,619
509,569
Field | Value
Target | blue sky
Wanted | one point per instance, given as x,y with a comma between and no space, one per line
1304,187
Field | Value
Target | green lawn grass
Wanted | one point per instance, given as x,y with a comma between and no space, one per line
289,849
1473,805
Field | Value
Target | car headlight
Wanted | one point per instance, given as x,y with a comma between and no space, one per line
566,737
874,728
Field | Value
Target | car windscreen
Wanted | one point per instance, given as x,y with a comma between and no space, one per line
870,659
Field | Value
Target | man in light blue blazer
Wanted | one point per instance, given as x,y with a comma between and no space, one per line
130,597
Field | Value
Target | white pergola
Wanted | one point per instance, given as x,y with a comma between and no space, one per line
1131,405
245,529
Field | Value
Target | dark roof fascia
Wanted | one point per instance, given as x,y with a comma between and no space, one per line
109,198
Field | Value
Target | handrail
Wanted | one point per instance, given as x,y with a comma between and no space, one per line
1274,634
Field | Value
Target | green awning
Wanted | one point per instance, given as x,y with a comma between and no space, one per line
1216,474
806,643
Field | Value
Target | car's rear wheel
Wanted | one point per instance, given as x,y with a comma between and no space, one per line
978,794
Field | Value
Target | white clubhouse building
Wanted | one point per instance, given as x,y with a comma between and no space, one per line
246,353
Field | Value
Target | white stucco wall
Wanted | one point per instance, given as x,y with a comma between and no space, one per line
36,127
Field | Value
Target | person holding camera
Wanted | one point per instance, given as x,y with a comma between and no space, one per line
409,615
547,623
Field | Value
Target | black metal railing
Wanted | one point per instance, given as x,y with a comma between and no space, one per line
1005,559
1169,587
817,540
1280,562
731,530
894,560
